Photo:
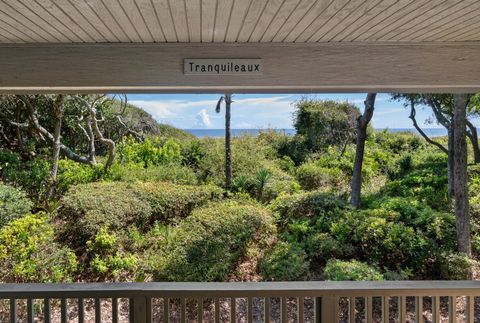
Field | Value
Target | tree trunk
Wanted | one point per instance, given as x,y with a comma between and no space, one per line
91,141
473,136
451,161
228,152
362,124
462,215
58,114
108,142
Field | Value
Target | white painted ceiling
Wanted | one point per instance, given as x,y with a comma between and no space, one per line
147,21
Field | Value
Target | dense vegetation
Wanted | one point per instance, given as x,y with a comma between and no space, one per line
160,212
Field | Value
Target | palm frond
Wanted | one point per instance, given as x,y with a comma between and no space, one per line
219,104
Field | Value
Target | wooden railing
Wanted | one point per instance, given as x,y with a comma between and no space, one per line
328,302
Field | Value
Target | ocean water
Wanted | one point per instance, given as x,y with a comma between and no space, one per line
432,132
235,132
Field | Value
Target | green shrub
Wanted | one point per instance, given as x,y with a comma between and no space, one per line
321,247
29,253
399,142
29,175
249,155
380,240
284,261
173,173
13,204
314,177
325,123
455,266
88,207
426,185
71,173
276,188
108,260
350,270
149,152
289,207
207,244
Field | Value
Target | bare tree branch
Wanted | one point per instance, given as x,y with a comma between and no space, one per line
413,113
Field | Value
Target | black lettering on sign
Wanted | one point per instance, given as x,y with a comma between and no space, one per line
223,66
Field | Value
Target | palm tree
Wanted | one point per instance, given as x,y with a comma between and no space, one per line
228,153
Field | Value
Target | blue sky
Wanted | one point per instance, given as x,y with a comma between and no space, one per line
197,111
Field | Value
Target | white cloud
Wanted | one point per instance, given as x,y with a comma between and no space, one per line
390,111
203,119
160,110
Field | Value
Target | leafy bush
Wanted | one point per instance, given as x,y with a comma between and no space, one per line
249,156
173,173
350,270
29,253
398,234
455,266
399,142
307,204
29,175
108,260
207,244
381,240
88,207
325,123
321,247
285,261
72,173
13,204
149,152
426,185
314,177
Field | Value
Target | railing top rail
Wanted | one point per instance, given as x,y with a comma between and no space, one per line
238,289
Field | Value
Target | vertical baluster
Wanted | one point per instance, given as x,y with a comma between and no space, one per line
283,308
233,310
452,309
114,310
131,313
386,309
328,309
46,310
166,310
148,309
368,309
217,310
336,309
317,305
13,310
98,313
200,310
266,314
183,310
30,313
402,309
63,310
81,310
250,310
300,309
351,309
470,309
436,309
419,309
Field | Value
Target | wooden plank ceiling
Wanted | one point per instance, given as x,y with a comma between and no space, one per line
147,21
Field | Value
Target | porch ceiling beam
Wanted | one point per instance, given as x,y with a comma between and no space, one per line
297,67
